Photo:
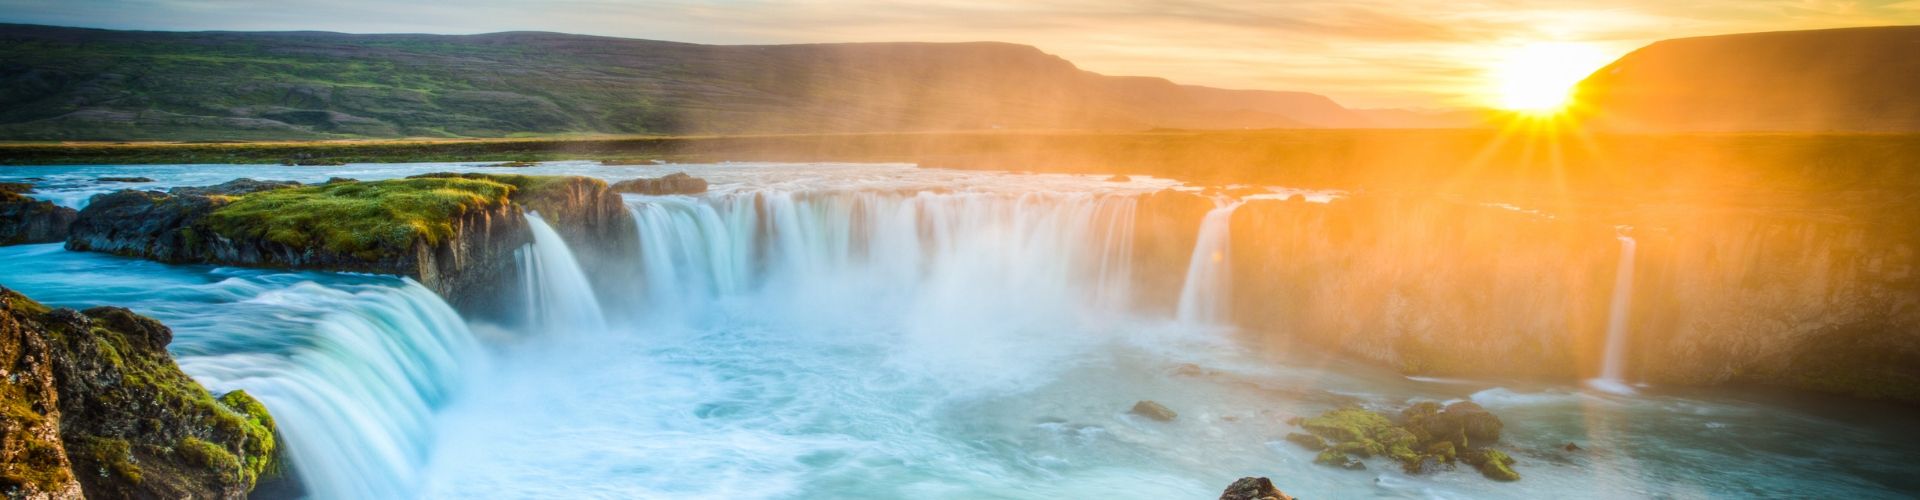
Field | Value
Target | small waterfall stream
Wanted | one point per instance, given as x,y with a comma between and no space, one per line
559,298
1209,274
1613,376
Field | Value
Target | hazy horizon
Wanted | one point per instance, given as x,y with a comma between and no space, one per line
1425,54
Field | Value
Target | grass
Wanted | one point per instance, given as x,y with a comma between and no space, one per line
366,220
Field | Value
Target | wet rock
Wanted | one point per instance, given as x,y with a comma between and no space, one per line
628,162
1307,441
1428,438
124,179
1571,447
1253,488
16,187
25,220
674,183
513,164
1119,178
104,411
337,180
1493,464
237,187
1153,410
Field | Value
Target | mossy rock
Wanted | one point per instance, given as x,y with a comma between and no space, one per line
374,221
1493,464
132,424
1308,441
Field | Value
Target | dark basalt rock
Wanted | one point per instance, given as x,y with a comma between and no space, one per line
237,187
26,220
95,405
124,179
674,183
1253,488
1153,410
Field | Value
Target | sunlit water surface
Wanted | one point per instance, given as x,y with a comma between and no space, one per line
898,332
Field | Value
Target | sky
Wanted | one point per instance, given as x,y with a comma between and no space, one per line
1366,53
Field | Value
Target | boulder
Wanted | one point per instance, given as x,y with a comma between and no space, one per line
674,183
24,220
1253,488
124,179
1153,410
98,408
1427,438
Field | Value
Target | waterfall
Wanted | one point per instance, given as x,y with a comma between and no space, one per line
1203,297
559,296
1614,365
965,256
353,381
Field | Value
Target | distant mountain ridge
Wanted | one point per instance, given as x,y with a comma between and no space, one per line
75,83
1851,80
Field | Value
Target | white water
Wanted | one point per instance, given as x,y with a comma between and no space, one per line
832,331
559,299
1613,371
1209,271
353,368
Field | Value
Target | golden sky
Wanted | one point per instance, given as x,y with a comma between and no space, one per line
1367,53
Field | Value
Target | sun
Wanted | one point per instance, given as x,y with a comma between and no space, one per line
1539,77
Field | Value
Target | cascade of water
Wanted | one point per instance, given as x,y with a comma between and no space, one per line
881,251
355,392
1203,296
1614,365
560,298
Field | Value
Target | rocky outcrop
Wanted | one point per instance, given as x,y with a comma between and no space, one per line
26,220
1153,410
455,233
237,187
674,183
1253,488
95,404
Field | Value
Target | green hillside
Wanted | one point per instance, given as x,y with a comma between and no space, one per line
70,83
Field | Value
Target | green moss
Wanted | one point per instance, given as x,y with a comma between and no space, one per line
115,457
368,220
18,302
200,453
1346,424
1492,463
259,447
39,462
1331,457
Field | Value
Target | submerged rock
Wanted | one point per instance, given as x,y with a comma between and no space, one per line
513,164
1308,441
674,183
26,220
1428,438
97,406
1253,488
1153,410
124,179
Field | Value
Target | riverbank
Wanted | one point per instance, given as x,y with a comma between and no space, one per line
1566,163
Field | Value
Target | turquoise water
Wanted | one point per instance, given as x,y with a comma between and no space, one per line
881,340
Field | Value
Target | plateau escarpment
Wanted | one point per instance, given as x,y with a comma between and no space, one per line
1820,298
95,407
455,233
